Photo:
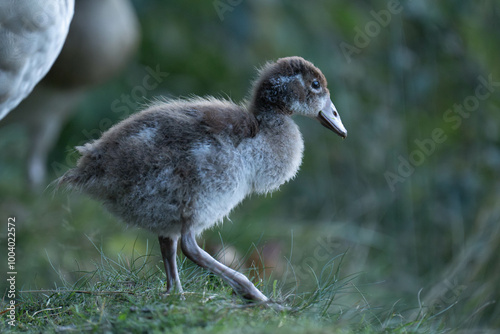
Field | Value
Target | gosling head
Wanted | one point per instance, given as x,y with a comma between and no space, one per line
294,85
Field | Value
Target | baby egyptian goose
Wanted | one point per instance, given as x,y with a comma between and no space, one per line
179,167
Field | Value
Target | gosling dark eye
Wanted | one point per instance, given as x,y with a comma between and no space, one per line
315,84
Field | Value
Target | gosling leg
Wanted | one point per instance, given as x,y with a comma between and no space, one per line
239,282
168,247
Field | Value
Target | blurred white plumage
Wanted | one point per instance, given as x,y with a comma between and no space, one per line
32,33
103,36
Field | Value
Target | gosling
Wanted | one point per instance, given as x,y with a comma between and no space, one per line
179,167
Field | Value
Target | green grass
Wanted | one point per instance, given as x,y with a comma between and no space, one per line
126,295
79,270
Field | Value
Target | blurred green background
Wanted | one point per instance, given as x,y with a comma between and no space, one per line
419,217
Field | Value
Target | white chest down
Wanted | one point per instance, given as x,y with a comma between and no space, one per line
259,165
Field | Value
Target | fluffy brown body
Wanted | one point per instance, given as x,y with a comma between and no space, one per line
180,167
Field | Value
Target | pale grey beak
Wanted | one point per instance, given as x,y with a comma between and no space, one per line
330,118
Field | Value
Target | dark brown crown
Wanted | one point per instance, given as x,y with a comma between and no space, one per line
272,92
